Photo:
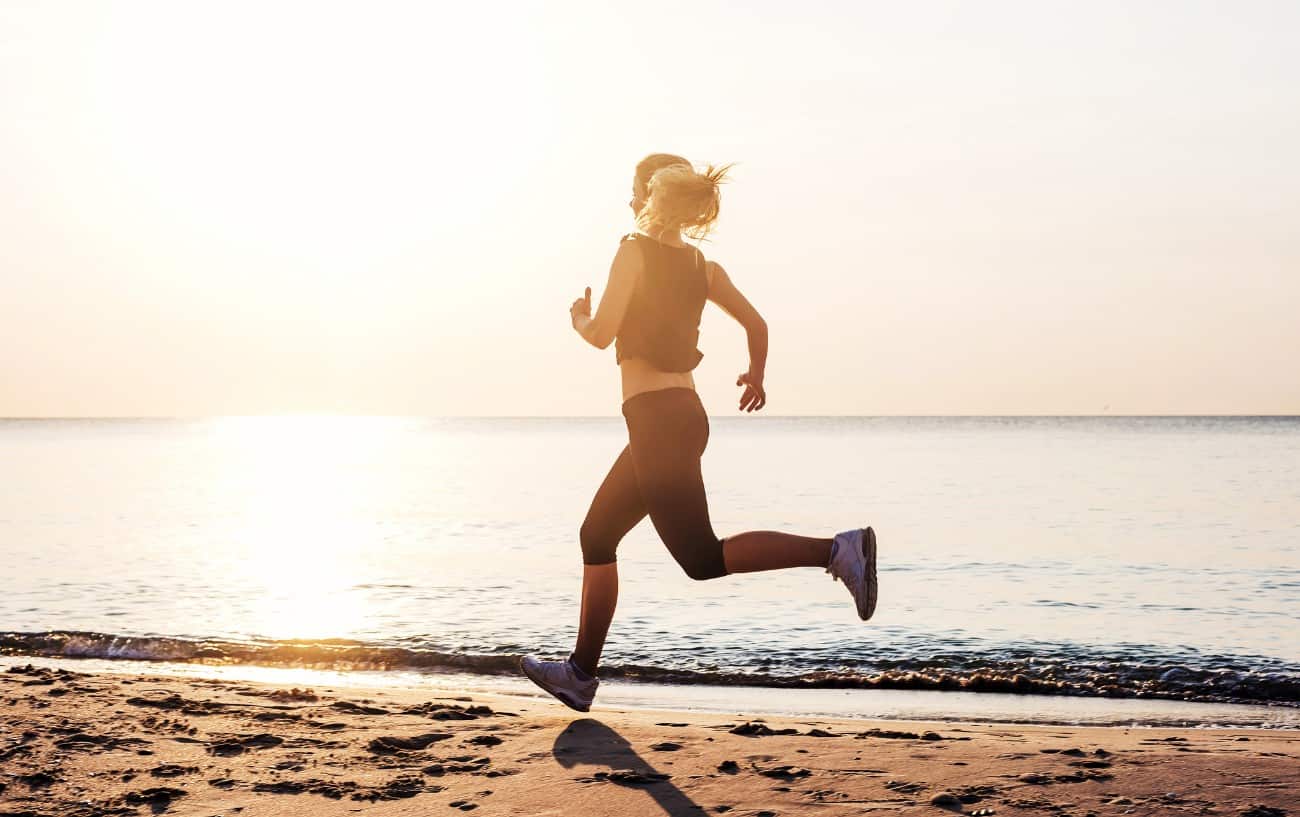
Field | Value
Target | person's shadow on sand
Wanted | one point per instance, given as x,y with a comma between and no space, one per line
588,741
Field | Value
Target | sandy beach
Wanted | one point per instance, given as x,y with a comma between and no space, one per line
84,744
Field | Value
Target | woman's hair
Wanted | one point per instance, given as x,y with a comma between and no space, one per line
678,197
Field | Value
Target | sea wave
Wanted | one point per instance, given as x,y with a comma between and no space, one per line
1203,678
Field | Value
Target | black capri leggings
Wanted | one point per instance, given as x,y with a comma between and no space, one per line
658,473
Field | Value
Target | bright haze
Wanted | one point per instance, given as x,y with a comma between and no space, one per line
940,208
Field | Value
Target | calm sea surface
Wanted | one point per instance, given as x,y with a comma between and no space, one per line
1108,557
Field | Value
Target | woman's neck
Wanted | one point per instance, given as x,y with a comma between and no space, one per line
672,238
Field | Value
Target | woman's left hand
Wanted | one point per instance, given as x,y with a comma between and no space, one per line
581,307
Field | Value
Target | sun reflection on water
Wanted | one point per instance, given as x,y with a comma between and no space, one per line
304,538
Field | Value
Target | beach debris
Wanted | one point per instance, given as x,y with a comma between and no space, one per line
946,800
758,729
1035,779
485,740
983,812
666,746
391,744
729,767
172,770
904,786
820,733
293,694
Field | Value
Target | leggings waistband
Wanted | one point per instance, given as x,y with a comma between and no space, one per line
670,394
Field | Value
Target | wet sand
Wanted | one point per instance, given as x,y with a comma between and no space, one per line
106,744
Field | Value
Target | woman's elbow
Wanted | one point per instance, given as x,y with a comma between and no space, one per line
757,326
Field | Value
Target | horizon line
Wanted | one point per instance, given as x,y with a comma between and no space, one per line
321,416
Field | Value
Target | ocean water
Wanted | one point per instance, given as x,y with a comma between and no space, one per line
1105,558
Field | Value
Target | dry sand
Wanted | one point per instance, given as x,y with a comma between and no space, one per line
100,744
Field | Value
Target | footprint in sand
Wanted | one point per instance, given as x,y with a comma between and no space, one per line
358,709
785,772
904,786
391,745
238,744
159,798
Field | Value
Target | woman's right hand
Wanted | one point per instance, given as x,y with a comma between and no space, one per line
754,397
581,308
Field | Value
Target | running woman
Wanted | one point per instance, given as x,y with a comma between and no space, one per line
650,310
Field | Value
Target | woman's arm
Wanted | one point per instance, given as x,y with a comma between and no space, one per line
601,330
724,293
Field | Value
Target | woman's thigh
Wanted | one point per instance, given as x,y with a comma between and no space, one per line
666,451
616,508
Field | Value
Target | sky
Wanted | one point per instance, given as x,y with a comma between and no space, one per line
385,208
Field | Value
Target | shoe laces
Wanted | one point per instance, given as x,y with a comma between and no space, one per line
842,569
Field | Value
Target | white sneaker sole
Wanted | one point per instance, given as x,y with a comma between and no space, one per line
872,589
559,694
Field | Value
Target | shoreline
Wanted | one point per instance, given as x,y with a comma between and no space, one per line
876,704
1138,673
76,743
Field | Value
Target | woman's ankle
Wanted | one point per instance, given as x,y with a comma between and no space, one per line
581,672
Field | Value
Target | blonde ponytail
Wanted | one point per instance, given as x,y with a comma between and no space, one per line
679,198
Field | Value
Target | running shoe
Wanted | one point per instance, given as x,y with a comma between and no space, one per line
853,561
559,679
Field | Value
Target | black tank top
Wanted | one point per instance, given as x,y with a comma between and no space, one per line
662,323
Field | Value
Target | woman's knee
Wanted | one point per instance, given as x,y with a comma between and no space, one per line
702,559
597,548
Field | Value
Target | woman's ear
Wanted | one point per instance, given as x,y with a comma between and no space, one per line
638,199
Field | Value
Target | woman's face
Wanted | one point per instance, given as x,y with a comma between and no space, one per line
638,197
